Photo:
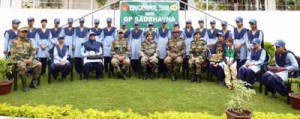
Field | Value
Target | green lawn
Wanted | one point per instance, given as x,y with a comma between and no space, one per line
141,96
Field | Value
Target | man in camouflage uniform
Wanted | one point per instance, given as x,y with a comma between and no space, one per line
175,52
22,54
197,56
120,52
148,53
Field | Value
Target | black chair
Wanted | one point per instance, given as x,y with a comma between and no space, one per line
148,68
111,70
292,74
51,61
263,69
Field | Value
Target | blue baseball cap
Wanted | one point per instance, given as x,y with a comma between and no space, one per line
70,20
253,21
136,23
239,19
279,43
56,21
164,22
92,33
123,23
201,21
96,21
109,19
150,24
44,20
224,23
81,20
212,21
256,41
16,21
188,21
176,24
220,34
61,37
29,19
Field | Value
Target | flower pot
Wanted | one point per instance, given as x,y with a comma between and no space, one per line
295,100
231,115
5,87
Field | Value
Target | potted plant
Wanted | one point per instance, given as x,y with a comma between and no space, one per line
239,101
295,97
5,85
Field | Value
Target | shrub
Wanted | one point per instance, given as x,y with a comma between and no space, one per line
269,47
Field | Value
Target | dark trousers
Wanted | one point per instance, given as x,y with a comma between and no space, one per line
135,65
240,63
267,83
64,70
246,74
44,65
161,66
107,63
78,63
218,72
88,67
278,85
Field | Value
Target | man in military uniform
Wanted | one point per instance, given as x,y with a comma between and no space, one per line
148,53
197,56
22,54
175,51
120,52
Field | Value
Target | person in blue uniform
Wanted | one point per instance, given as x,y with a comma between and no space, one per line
32,32
255,60
109,35
217,59
92,55
276,76
151,31
188,37
163,35
43,44
176,27
81,36
56,31
69,34
202,30
136,38
9,35
254,33
240,37
212,34
227,33
61,64
97,30
125,30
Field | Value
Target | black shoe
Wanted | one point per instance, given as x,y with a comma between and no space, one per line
34,84
145,77
193,79
151,76
123,76
25,88
198,78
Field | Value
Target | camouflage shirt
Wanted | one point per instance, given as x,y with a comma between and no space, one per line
176,46
120,47
149,48
21,50
198,48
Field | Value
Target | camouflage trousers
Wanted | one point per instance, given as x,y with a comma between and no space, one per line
149,61
173,64
115,62
23,68
195,65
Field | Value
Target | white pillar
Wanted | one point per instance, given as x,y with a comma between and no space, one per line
257,5
206,5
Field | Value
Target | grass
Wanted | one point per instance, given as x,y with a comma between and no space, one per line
140,96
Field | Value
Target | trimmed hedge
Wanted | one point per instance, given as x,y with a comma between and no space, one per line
68,112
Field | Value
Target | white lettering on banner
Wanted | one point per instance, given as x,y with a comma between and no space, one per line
163,8
149,14
143,8
127,19
153,19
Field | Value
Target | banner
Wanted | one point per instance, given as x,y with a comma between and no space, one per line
145,12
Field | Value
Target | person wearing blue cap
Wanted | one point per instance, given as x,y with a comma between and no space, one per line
212,34
188,37
227,33
255,60
56,31
177,27
125,30
151,31
92,57
240,38
109,35
285,61
97,30
254,33
69,33
9,35
81,36
135,40
43,44
217,64
32,32
163,35
60,64
202,29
